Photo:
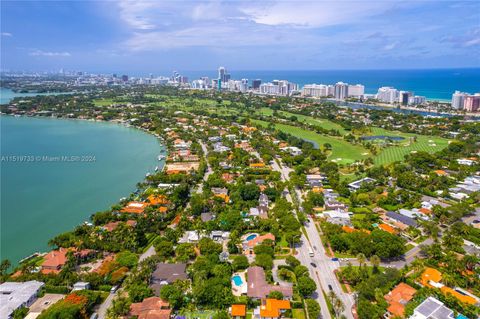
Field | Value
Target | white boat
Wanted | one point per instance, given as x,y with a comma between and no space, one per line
156,168
161,157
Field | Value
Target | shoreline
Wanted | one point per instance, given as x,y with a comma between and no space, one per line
161,164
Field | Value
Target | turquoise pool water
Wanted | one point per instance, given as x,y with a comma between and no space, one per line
237,280
250,237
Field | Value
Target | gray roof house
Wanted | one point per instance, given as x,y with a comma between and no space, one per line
14,295
402,219
166,274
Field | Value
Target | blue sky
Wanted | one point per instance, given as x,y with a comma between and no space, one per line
158,36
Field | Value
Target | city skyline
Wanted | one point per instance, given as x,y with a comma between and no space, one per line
158,36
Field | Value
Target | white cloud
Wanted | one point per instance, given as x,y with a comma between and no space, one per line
49,54
390,46
315,14
7,34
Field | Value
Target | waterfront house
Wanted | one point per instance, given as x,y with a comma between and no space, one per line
54,261
134,208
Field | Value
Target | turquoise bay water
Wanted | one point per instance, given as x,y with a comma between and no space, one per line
6,95
40,199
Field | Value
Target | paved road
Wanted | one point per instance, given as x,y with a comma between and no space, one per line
148,253
302,250
209,169
102,310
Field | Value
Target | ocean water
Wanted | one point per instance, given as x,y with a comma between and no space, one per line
435,84
42,198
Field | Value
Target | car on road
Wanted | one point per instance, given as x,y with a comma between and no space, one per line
114,289
330,287
314,265
334,259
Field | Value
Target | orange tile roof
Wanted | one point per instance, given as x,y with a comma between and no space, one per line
163,209
239,310
257,165
151,308
387,228
398,297
463,298
425,211
430,274
259,239
348,229
54,261
134,207
158,199
272,308
440,172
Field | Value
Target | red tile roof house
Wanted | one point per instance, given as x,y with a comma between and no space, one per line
249,245
258,288
151,308
56,259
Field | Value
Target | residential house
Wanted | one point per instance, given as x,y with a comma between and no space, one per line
259,211
54,261
293,150
398,220
397,298
273,308
151,308
432,278
166,274
15,295
354,186
134,208
238,311
221,193
181,167
432,308
258,288
338,217
249,245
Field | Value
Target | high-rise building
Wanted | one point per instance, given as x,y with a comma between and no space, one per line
340,90
404,97
315,90
416,100
256,84
458,99
356,90
472,103
125,78
387,94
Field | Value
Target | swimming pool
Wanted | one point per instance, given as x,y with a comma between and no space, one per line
250,237
237,280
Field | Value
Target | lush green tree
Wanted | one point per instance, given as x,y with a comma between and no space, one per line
207,246
292,261
239,263
275,295
127,259
306,286
163,247
185,252
173,294
313,308
263,260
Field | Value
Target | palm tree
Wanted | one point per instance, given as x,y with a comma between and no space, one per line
375,261
361,259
